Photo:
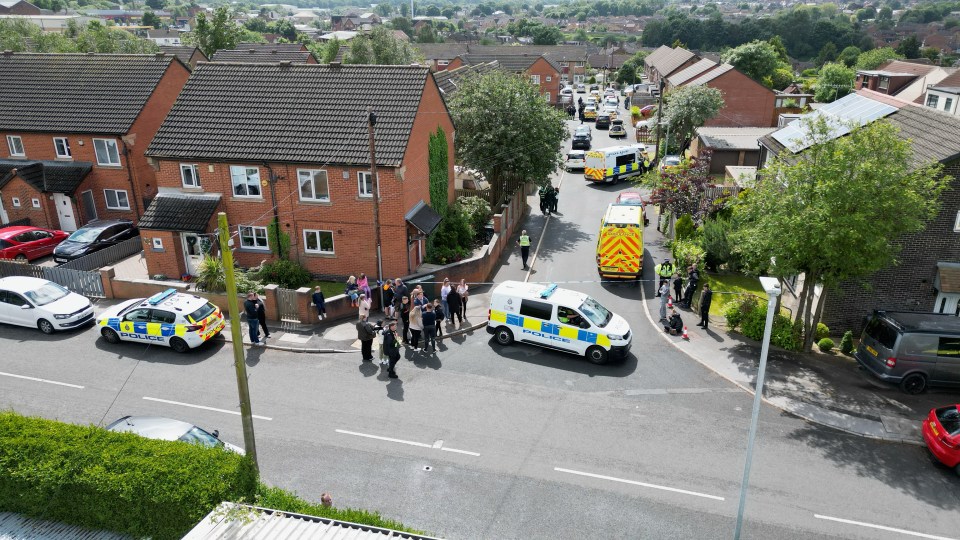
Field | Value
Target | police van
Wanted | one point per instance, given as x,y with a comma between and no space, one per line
614,164
558,319
177,320
620,242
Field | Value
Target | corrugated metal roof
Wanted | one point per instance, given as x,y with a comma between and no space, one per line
732,138
18,527
841,115
267,524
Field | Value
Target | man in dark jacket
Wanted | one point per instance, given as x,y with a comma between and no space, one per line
674,324
262,315
391,347
366,333
253,320
677,286
706,298
399,291
692,278
429,328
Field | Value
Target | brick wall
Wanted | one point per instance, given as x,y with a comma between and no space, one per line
21,8
546,71
747,103
168,260
909,285
44,216
455,63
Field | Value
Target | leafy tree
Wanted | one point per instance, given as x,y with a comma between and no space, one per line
404,10
100,38
848,56
826,211
285,29
433,11
681,189
383,9
581,36
834,82
827,54
930,53
155,4
689,107
909,47
427,34
151,19
777,43
757,60
507,131
218,33
873,58
547,35
257,24
781,78
380,46
403,24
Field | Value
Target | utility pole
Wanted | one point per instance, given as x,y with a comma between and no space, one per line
371,122
659,118
246,411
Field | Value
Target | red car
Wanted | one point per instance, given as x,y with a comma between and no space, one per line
28,243
941,431
646,111
630,197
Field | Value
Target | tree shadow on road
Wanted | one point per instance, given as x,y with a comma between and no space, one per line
570,236
531,354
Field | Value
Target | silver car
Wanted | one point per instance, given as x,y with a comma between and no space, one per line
168,429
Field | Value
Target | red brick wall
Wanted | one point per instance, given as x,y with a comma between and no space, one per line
455,63
22,8
543,68
747,103
45,216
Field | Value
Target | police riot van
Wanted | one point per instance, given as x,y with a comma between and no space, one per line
613,164
558,319
177,320
620,242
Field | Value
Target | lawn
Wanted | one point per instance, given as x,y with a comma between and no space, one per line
728,288
329,288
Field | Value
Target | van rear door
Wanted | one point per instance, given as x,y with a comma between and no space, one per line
877,345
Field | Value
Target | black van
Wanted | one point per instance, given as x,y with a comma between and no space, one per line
912,349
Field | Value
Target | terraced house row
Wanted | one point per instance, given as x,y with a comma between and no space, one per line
140,137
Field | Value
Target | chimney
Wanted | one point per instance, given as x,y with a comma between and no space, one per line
8,53
161,55
284,64
334,65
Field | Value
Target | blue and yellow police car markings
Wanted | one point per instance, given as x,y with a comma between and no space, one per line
545,327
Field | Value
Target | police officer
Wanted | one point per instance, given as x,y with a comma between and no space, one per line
524,243
664,270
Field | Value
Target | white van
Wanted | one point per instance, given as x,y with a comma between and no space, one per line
559,319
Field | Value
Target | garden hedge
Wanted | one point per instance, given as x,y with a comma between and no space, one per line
87,476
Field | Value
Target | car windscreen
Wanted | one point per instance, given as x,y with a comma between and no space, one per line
574,156
597,314
882,332
199,436
85,235
51,292
950,419
202,313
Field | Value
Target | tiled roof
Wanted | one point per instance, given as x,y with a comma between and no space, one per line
612,61
271,46
514,63
899,66
262,55
711,75
183,52
46,176
557,53
305,113
76,93
935,135
690,72
441,51
176,212
657,55
668,62
449,80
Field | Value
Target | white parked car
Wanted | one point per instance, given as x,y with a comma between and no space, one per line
38,303
576,159
168,429
581,89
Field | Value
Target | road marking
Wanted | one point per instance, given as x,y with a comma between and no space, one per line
543,233
204,407
37,379
642,484
438,445
883,528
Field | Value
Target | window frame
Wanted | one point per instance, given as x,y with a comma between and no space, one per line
116,193
933,100
15,202
956,224
361,185
194,170
66,146
108,144
883,83
253,229
536,309
35,202
247,184
320,250
313,185
535,78
947,103
10,146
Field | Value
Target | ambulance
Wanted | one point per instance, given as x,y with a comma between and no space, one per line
170,318
620,242
558,319
614,164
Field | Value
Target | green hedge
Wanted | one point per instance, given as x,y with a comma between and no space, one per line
87,476
280,499
749,315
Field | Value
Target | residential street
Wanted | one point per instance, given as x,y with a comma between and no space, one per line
484,441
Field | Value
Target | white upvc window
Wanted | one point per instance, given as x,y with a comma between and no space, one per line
107,152
190,175
549,78
35,202
932,100
246,181
15,201
62,146
365,184
535,79
315,241
116,199
956,224
253,237
313,185
15,144
948,104
546,96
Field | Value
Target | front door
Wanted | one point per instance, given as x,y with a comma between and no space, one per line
192,252
3,213
89,206
65,212
947,303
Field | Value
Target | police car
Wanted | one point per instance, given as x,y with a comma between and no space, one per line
179,321
558,319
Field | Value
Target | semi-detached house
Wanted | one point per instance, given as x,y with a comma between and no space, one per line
246,139
74,128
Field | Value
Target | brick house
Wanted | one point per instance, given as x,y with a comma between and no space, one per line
927,277
293,138
74,129
542,72
189,55
18,7
665,61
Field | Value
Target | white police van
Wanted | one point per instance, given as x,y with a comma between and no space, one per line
559,319
179,321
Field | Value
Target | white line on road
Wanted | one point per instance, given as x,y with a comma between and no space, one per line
883,528
643,484
436,445
546,223
36,379
204,407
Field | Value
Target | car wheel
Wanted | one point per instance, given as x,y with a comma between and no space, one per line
109,335
504,336
914,383
21,258
597,355
179,345
45,326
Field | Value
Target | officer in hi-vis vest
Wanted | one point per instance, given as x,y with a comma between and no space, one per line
664,270
524,243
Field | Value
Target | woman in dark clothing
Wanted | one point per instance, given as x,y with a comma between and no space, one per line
455,307
405,319
677,287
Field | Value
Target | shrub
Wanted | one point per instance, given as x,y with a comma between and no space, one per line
822,332
717,247
283,250
750,315
285,273
739,309
846,344
476,209
686,252
685,228
87,476
211,277
453,239
280,499
825,344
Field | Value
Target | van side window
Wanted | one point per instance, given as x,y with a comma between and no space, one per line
537,310
626,159
918,345
949,348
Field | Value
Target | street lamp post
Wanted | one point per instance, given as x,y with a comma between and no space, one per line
772,287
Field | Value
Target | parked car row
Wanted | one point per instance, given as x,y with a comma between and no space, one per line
26,243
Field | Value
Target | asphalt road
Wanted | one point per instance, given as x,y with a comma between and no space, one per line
483,441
